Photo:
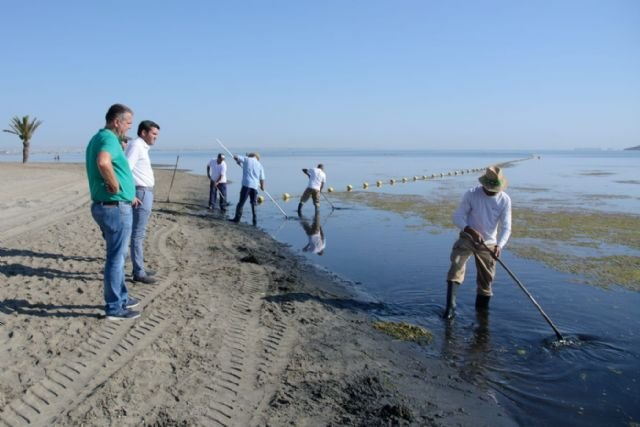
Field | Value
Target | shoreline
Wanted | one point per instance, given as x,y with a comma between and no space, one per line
240,331
570,241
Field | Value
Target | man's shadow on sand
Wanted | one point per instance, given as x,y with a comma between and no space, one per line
7,252
338,303
21,306
15,269
9,270
193,210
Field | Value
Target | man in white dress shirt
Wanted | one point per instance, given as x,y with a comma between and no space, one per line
137,153
484,215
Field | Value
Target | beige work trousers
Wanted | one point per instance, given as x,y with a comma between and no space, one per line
463,248
314,194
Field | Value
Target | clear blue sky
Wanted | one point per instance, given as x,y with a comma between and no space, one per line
338,73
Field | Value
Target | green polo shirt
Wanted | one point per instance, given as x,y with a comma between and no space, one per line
106,140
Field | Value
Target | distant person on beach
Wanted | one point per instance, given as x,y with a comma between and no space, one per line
217,173
317,178
137,153
317,241
484,215
252,179
112,192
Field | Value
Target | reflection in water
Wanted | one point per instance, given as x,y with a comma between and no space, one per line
480,347
593,382
473,360
315,234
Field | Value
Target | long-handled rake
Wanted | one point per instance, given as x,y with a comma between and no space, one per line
533,300
173,177
265,191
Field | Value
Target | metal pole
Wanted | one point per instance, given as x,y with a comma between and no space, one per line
220,192
265,191
173,177
328,201
225,148
275,203
533,300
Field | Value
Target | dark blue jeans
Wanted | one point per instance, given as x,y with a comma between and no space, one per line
115,222
141,214
213,194
252,195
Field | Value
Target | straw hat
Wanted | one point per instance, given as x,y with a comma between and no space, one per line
493,180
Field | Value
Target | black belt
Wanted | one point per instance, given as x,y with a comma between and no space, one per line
140,187
114,203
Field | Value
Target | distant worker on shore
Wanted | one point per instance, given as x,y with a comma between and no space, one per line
317,178
252,179
137,153
484,215
315,234
112,192
217,173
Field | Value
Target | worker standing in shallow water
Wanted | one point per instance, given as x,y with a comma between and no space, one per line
217,173
252,179
484,215
317,178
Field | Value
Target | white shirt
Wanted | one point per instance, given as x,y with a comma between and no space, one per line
137,153
218,171
316,243
484,213
316,178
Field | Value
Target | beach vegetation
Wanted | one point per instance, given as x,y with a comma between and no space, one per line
555,237
24,128
405,331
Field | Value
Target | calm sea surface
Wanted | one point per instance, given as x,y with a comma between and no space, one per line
387,257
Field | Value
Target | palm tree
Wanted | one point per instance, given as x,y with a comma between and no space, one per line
24,129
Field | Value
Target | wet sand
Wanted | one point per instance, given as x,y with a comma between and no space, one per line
238,331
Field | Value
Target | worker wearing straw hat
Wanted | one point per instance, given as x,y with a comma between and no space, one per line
484,215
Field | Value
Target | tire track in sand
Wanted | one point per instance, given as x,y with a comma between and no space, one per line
256,340
22,216
69,380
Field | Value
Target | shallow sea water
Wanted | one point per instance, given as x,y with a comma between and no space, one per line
391,258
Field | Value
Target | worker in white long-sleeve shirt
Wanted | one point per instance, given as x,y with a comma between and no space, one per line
484,215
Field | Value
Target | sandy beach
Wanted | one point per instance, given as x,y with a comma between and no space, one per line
238,332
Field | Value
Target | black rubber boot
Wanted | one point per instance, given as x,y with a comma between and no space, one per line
299,209
238,215
253,213
482,302
450,310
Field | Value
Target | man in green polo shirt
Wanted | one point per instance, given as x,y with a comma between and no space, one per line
112,193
